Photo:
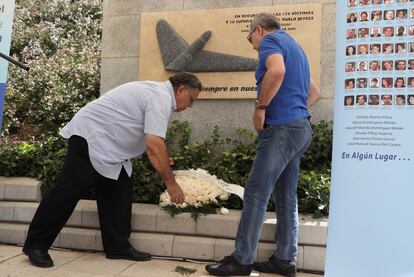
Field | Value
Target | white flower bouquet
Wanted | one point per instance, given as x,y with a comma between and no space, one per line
202,194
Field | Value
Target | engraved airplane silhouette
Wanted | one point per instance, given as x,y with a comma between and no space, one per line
178,55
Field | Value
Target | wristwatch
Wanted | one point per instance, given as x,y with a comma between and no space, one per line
259,106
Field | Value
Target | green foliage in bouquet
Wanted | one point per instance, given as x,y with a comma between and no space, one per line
195,212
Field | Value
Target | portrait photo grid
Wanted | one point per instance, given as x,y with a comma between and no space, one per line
379,53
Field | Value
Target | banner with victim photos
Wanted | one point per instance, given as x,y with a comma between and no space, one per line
372,194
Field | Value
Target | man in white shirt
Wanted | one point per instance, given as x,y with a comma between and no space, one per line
103,137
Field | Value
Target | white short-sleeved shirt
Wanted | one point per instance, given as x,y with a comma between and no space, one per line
115,124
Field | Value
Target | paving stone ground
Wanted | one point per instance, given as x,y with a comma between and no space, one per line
90,264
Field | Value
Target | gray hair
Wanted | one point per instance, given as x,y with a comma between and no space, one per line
185,79
266,20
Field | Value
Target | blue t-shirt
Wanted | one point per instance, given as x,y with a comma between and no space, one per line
290,102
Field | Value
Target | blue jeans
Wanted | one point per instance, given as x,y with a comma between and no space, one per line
275,170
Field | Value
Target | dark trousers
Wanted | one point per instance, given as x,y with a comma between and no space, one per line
114,199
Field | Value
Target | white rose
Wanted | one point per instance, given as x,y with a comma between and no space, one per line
224,211
224,197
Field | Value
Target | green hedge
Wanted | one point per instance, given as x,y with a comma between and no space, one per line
43,161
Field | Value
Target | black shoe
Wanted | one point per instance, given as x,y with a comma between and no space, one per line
38,257
129,254
275,265
229,266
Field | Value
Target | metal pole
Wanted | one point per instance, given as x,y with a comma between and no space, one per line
16,62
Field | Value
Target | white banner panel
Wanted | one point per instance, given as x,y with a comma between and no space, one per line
371,226
6,22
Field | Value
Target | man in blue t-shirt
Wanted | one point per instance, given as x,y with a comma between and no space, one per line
285,90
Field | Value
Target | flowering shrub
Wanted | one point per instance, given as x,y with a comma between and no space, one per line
61,42
200,189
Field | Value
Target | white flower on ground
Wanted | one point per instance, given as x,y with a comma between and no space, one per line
224,211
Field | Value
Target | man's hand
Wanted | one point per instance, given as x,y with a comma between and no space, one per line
158,156
176,193
258,119
314,93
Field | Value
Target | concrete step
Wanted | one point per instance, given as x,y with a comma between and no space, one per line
20,189
209,238
169,245
151,218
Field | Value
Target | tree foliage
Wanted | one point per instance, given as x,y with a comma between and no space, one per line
61,42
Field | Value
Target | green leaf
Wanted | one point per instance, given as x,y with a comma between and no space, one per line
185,270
